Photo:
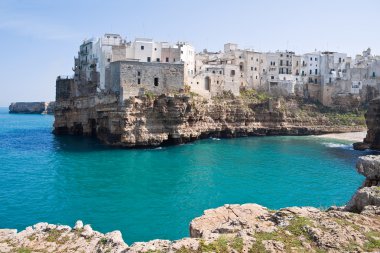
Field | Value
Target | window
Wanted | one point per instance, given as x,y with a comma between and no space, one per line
373,74
142,47
272,77
233,72
217,82
256,77
315,80
251,68
220,72
109,60
252,58
310,72
316,71
213,71
330,80
138,81
315,59
138,73
173,59
340,60
280,62
181,52
167,59
155,49
311,58
156,81
158,60
148,59
255,69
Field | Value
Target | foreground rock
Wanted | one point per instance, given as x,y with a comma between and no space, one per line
32,107
368,196
235,228
231,228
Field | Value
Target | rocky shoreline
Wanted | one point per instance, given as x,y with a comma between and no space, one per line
32,107
174,119
235,228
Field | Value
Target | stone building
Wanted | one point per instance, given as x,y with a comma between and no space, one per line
134,78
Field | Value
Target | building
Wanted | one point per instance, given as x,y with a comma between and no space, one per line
145,65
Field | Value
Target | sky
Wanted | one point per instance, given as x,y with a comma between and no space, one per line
39,38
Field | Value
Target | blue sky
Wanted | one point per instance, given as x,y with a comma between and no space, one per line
39,38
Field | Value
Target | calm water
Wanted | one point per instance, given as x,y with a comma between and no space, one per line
155,193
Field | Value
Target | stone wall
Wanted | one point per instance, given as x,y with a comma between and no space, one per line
64,88
131,78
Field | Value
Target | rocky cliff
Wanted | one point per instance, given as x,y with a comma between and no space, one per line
235,228
373,123
173,119
32,107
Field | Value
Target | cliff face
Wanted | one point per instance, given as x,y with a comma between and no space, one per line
235,228
32,107
166,119
373,123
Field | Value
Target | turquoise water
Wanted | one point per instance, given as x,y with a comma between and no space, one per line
155,193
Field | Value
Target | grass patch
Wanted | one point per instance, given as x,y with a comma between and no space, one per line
64,239
31,237
23,250
237,244
103,241
150,95
296,227
53,235
255,96
220,245
348,118
373,243
346,223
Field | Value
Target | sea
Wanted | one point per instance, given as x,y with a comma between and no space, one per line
155,192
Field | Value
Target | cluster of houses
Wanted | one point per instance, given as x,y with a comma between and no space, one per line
111,63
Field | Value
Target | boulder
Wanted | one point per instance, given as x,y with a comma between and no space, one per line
367,196
361,146
369,166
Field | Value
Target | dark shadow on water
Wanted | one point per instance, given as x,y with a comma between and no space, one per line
69,143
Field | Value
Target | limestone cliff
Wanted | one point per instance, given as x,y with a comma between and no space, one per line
173,119
235,228
373,123
32,107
